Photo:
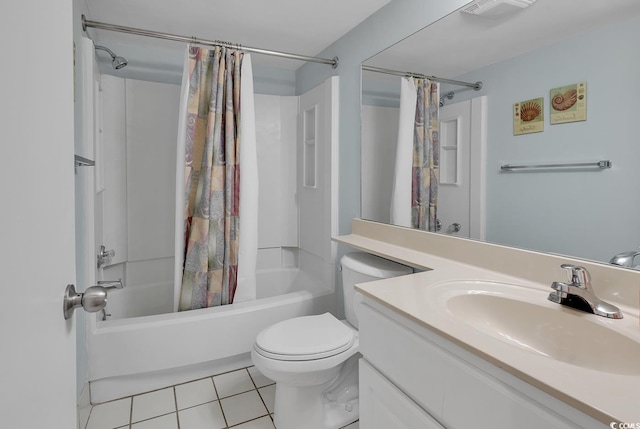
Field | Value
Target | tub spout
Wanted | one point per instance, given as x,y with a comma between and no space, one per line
111,284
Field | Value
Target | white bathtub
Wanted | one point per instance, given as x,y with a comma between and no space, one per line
133,355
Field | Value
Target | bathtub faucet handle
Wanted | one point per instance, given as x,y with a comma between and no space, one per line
105,256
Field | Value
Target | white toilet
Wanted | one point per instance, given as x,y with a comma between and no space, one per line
314,359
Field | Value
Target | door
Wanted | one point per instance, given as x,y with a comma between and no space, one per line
462,148
38,347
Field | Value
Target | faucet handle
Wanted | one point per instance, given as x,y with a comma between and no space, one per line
577,275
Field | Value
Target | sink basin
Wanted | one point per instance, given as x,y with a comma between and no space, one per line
523,317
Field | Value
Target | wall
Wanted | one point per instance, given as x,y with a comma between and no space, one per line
139,129
592,214
276,119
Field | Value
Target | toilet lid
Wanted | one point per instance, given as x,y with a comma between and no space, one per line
305,338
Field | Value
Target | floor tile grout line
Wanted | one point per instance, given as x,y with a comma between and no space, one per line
130,411
175,402
154,417
239,393
263,401
224,416
259,395
246,421
251,378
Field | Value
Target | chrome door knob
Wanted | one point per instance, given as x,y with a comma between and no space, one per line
92,300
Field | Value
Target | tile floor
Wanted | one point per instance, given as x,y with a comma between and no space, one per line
241,399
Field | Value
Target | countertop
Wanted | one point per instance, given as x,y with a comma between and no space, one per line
605,396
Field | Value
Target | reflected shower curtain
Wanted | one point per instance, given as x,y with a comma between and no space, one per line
426,157
217,141
416,177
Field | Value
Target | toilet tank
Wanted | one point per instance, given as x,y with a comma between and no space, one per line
359,267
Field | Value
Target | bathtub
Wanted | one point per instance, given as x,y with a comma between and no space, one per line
127,356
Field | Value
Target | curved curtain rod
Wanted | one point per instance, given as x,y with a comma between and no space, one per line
477,86
147,33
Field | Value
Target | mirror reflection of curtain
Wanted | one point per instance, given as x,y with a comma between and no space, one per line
212,129
426,154
415,188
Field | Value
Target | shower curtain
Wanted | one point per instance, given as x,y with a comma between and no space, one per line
415,188
219,186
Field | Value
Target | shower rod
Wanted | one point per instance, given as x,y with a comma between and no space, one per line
477,86
147,33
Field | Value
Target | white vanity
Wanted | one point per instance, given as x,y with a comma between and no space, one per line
474,342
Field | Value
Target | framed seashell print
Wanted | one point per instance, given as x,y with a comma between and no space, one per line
528,116
568,103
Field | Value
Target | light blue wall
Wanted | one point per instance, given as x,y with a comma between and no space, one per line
397,20
591,214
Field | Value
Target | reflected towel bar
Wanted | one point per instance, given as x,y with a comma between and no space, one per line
598,164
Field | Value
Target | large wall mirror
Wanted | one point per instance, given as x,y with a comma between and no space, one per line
523,54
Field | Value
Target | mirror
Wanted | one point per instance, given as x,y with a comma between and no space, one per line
584,212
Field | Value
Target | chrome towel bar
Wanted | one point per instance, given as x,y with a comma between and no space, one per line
597,164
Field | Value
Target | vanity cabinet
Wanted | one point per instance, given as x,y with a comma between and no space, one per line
411,377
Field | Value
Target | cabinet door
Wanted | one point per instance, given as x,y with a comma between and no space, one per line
384,406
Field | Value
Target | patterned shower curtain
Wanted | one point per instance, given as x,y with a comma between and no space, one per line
426,153
212,178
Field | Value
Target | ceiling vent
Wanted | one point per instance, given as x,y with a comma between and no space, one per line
493,8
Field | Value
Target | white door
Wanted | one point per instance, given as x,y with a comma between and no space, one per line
461,190
38,347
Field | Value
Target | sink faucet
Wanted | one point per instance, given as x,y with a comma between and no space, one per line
578,293
625,259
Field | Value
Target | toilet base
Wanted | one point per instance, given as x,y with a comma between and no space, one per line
330,405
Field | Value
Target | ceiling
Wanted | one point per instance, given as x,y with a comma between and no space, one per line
295,26
460,42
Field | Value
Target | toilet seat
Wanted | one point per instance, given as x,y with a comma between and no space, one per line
305,338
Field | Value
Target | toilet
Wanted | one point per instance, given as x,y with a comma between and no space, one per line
314,359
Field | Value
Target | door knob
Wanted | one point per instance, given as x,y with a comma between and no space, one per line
92,300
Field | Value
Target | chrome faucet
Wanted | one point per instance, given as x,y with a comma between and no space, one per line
625,259
579,294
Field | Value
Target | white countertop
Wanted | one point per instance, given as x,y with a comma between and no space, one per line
605,396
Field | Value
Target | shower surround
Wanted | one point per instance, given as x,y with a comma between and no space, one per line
142,344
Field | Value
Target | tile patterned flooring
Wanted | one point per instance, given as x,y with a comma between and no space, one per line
241,399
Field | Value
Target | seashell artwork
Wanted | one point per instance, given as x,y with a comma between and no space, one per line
561,102
568,103
530,110
528,116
